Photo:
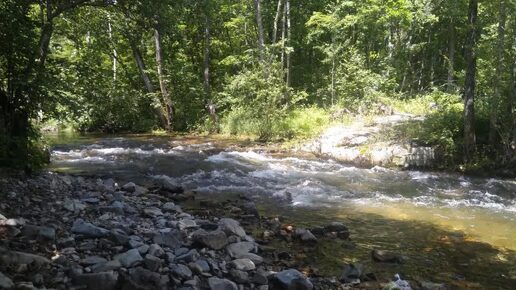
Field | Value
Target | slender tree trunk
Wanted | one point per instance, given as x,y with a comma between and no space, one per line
333,78
283,35
276,20
451,57
149,87
469,84
115,54
289,37
210,106
259,25
165,97
497,100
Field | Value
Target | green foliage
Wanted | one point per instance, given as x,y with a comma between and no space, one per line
257,100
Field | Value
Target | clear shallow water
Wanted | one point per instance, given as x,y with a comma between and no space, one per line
436,210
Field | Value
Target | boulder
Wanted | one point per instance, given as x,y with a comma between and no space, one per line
386,257
243,264
171,239
305,236
291,279
152,263
181,271
129,258
231,227
236,250
129,187
221,284
87,229
215,240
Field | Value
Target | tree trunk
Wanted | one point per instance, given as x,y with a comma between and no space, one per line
209,105
259,25
451,58
276,20
149,87
289,36
497,100
165,97
115,54
469,84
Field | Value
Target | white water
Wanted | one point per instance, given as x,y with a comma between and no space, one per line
438,198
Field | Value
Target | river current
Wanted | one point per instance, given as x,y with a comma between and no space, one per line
454,229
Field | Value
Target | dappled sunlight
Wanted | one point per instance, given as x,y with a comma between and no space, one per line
477,224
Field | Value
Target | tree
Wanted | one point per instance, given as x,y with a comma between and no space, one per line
469,83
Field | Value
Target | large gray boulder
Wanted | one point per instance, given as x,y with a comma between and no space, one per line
291,279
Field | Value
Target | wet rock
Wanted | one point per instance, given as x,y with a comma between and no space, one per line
386,257
351,274
73,205
88,229
243,264
305,236
129,258
231,227
339,229
152,263
5,282
97,281
92,260
171,239
106,266
221,284
181,271
291,279
33,231
215,240
129,187
237,250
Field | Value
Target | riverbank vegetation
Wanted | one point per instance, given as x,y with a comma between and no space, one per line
275,70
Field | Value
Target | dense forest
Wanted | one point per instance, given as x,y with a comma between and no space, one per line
275,70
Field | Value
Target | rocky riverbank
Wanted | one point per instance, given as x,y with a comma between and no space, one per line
362,143
64,232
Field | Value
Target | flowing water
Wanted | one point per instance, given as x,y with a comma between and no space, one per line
450,228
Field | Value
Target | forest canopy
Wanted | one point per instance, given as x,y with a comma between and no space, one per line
272,69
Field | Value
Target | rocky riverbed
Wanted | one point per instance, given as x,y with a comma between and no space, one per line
64,232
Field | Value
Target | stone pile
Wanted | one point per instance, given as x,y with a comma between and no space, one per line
63,232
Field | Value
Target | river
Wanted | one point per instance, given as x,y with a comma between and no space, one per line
449,228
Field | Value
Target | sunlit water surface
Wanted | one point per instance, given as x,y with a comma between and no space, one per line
451,228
